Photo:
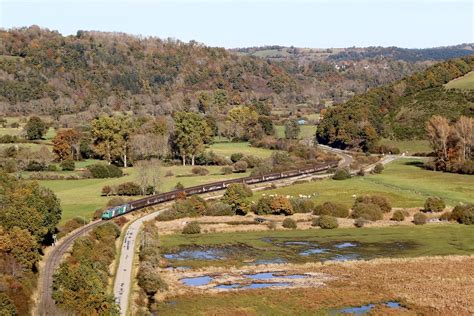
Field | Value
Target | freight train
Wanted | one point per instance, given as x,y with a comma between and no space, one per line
210,187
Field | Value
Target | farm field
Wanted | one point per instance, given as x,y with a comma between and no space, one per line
227,149
307,131
465,82
409,146
403,182
83,197
311,245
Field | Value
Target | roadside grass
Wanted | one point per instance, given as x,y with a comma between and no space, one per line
306,132
402,182
227,149
464,82
427,240
83,197
410,146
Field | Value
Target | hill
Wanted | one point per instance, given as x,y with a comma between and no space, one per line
399,110
464,82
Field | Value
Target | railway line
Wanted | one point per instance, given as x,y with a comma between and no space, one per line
46,305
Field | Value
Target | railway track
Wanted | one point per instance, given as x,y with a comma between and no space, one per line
46,304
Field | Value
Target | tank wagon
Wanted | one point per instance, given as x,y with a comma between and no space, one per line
210,187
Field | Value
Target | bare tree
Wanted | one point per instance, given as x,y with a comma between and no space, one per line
438,130
143,176
464,130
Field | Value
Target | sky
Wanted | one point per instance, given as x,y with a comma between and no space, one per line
245,23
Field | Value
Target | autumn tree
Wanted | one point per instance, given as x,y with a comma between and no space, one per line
35,128
66,144
292,129
191,132
438,131
242,123
464,131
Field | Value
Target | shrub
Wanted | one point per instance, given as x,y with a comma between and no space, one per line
34,165
115,201
446,216
281,205
419,219
341,174
381,201
107,190
398,216
52,168
169,173
201,171
227,170
252,161
236,157
101,171
327,222
368,211
68,165
263,206
434,204
289,223
219,209
463,214
179,186
192,228
378,168
333,209
301,205
272,225
360,222
236,196
361,172
240,166
128,188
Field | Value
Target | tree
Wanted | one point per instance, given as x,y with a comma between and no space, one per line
66,144
236,196
438,130
242,123
292,129
464,130
190,134
35,128
148,175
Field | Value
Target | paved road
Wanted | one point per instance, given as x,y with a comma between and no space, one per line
123,278
46,304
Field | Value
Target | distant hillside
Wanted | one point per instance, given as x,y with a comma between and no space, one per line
42,71
399,110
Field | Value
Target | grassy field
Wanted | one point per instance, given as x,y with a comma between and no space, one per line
227,149
410,146
402,182
307,131
83,197
465,82
374,242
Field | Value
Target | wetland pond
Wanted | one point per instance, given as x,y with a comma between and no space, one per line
277,250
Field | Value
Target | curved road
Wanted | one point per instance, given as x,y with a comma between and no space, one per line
46,304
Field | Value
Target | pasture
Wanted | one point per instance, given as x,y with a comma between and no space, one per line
403,182
465,82
409,146
227,149
306,131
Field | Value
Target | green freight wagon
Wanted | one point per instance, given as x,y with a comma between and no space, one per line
116,211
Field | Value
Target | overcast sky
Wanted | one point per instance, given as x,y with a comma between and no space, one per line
242,23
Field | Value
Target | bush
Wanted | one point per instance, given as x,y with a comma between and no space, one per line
227,170
398,216
281,205
240,166
219,209
333,209
236,157
434,204
68,165
381,201
169,173
289,223
52,168
326,222
368,211
360,222
236,196
263,206
200,171
179,186
252,161
115,201
192,228
301,205
101,171
419,219
128,188
34,165
272,225
341,174
107,190
446,216
463,214
378,168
